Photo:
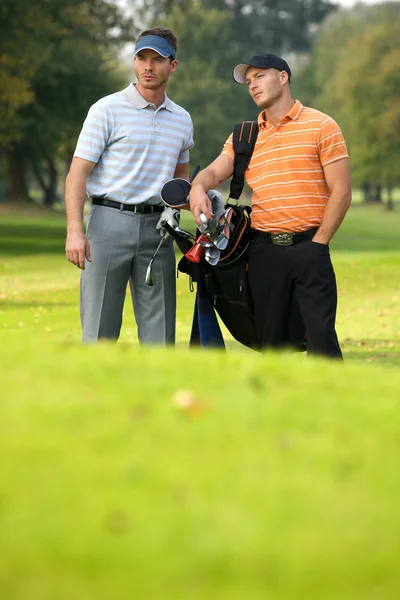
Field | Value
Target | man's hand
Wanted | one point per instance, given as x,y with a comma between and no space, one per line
200,203
77,249
208,179
171,216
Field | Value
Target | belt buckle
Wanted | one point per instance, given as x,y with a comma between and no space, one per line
282,239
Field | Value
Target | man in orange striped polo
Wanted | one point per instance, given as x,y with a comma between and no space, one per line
300,177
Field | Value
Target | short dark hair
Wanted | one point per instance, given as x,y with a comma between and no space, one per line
162,32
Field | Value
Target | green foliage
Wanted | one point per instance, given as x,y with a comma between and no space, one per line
214,101
215,36
33,36
356,60
57,58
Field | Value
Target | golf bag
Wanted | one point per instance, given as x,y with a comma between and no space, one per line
226,282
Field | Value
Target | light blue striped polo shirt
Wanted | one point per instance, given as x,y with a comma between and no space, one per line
135,146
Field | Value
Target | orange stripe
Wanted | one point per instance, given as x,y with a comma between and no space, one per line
241,132
286,170
251,129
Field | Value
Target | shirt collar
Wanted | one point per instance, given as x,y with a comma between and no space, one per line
293,114
137,100
295,111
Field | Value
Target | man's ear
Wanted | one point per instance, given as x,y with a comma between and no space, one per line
174,66
284,77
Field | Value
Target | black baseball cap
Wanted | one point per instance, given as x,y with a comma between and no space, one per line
260,61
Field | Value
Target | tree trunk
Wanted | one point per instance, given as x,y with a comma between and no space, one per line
47,181
378,193
16,186
390,203
366,188
51,189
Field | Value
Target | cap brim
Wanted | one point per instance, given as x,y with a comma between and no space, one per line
239,73
160,52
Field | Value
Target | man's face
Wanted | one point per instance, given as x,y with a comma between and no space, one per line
152,70
265,85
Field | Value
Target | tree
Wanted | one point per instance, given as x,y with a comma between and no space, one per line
197,85
362,89
55,60
214,36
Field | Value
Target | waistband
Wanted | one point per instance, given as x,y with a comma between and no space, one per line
143,209
283,239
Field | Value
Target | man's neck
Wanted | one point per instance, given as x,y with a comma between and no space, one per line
155,97
278,111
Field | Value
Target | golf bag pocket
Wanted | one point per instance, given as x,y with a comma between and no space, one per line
229,290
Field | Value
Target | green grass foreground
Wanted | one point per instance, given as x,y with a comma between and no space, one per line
141,473
169,474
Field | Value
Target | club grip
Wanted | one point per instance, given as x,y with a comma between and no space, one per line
196,169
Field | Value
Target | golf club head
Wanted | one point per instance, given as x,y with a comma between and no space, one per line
212,255
149,275
221,241
223,232
174,193
218,208
207,243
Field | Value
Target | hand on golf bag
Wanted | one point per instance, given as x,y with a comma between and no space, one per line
171,216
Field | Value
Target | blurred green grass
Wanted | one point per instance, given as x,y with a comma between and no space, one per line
143,473
169,474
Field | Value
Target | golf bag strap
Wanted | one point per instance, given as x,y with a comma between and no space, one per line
244,139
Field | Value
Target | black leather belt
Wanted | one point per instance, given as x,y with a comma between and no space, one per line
142,209
283,239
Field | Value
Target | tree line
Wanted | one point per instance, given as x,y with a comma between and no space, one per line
57,57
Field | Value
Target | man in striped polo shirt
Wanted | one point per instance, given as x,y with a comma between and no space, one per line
300,177
131,143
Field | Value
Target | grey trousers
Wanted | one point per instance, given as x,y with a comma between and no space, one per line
121,245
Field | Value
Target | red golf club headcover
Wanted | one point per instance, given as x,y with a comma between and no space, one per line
196,252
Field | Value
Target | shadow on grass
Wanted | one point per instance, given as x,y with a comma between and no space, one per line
20,240
11,304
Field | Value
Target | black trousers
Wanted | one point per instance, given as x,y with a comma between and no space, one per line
302,273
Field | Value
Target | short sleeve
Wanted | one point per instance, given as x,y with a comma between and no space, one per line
228,148
189,143
95,133
331,144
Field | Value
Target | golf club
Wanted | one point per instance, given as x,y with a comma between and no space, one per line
181,187
222,239
149,273
196,252
212,255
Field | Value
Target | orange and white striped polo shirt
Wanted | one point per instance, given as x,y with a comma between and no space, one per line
286,170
